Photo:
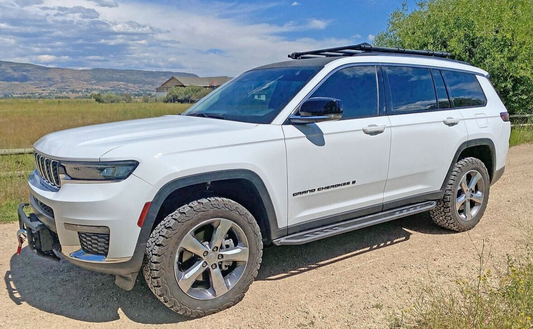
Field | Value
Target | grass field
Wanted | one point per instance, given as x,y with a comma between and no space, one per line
23,122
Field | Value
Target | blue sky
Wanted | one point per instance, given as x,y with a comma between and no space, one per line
197,36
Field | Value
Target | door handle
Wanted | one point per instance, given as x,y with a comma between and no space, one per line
373,130
451,121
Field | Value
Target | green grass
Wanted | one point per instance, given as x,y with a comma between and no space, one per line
25,121
14,188
486,302
521,135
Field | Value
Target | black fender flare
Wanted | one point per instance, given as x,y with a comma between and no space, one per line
170,187
471,143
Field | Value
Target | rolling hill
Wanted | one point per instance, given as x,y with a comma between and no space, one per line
28,80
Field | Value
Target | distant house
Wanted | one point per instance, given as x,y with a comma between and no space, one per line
205,82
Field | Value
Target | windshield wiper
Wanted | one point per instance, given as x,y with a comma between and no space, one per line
208,115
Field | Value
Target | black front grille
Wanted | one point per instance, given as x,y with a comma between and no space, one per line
47,210
48,169
94,243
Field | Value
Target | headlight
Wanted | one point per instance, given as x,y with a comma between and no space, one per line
100,171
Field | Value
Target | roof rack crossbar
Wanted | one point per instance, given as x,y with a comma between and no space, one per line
363,48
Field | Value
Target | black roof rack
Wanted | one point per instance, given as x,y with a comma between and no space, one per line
363,48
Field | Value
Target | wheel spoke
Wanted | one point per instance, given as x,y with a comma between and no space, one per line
217,281
463,184
460,201
474,180
220,232
477,197
187,278
468,211
192,244
236,254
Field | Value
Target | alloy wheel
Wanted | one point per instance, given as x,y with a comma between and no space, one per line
470,195
211,258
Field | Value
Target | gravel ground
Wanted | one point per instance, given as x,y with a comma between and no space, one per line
356,280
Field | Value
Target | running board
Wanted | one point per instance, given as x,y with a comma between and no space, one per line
353,224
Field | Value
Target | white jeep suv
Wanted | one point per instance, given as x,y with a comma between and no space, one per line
331,141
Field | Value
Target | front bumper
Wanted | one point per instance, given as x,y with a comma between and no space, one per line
66,215
44,242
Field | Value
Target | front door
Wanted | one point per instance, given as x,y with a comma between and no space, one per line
337,169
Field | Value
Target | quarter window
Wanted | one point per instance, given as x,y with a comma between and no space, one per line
356,87
464,89
411,89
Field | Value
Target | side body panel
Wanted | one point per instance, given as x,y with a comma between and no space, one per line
421,150
334,167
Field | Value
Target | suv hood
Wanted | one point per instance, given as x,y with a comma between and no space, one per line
92,142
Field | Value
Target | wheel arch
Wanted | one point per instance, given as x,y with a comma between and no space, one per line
227,183
482,149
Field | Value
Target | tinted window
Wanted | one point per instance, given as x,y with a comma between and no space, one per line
411,89
464,89
442,95
256,96
356,87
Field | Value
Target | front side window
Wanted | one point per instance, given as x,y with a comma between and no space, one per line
411,89
464,89
356,87
256,96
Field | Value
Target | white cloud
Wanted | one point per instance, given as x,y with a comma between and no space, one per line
356,36
51,58
105,3
371,37
83,12
317,24
295,3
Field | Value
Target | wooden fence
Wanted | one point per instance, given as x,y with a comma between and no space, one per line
524,120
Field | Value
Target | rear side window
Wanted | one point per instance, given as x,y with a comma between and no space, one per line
411,89
356,87
464,89
442,95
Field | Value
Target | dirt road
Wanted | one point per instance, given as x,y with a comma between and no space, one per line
355,280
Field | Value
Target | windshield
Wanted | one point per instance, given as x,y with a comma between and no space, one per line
256,96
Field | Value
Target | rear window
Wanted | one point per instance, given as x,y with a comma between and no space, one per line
411,89
464,89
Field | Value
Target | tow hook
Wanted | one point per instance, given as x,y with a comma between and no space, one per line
21,237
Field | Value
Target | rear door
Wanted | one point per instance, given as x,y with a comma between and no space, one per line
339,167
426,133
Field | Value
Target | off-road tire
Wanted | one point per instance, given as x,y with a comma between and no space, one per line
445,213
158,268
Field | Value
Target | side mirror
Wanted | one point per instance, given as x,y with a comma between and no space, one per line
318,109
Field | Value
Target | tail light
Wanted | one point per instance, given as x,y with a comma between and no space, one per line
504,116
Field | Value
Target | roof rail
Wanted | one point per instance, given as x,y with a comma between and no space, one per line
363,48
